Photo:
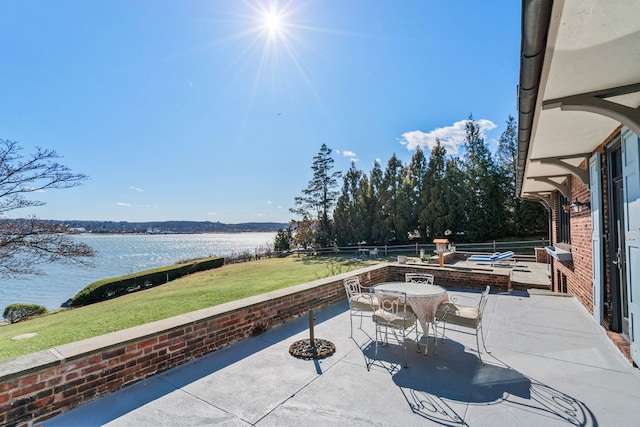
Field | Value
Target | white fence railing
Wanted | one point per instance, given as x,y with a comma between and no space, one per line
523,247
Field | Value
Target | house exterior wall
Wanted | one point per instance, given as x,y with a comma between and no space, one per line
575,276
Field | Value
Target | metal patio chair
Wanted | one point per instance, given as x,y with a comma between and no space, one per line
392,314
425,278
360,303
467,316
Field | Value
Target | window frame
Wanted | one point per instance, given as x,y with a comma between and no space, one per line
563,221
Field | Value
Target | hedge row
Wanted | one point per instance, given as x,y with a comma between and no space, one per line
105,289
16,312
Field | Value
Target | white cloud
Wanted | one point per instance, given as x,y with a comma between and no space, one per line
136,189
349,153
123,204
212,213
269,202
450,136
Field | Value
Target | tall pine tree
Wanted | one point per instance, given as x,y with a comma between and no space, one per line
485,211
319,197
434,217
393,189
416,191
346,216
523,217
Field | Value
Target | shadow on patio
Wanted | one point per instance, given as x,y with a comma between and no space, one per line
551,364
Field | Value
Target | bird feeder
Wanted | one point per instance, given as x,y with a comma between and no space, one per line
441,248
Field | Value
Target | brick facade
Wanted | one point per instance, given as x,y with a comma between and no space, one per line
576,276
39,386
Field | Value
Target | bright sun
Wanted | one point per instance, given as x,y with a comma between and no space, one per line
273,23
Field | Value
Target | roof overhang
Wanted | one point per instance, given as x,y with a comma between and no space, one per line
579,81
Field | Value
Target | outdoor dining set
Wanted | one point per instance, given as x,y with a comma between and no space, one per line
403,308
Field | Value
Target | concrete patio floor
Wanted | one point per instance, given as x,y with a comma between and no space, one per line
550,364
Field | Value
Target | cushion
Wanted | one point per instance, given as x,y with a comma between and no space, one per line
394,320
459,315
363,302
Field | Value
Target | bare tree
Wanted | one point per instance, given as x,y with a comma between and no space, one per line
27,243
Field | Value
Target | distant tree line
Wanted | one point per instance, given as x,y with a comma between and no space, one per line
466,198
167,226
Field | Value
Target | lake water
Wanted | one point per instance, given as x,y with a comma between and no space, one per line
121,254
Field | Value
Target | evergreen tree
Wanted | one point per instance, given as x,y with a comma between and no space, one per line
522,216
393,189
506,166
485,212
455,201
283,239
319,197
378,224
434,215
365,204
346,216
417,191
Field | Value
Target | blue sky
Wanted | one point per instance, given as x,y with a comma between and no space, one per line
197,110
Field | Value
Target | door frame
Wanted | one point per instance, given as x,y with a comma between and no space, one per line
615,297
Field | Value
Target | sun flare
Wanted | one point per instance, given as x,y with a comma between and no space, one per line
273,23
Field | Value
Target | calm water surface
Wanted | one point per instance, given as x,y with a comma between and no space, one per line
118,255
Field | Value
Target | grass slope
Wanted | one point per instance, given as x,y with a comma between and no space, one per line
194,292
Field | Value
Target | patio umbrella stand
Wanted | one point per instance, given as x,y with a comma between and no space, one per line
312,348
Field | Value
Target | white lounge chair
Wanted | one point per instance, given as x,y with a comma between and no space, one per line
496,258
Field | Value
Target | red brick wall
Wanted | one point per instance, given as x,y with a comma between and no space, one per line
578,272
47,389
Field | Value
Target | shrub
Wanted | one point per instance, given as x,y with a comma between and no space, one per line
105,289
16,312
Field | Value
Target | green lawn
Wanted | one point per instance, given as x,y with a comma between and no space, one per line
194,292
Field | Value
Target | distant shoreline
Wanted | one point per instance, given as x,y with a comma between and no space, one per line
166,227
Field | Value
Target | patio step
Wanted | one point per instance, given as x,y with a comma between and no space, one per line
530,276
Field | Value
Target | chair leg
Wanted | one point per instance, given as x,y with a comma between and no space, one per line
444,329
478,347
351,324
404,346
375,356
484,344
435,339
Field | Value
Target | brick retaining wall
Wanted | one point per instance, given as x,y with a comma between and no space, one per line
41,385
450,277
